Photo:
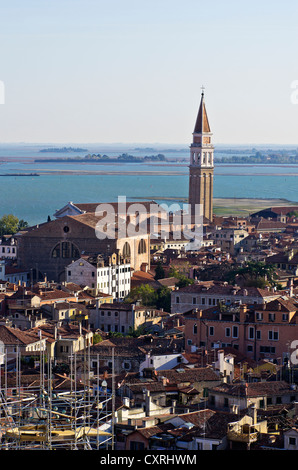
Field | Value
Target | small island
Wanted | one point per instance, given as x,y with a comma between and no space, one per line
123,158
62,150
266,157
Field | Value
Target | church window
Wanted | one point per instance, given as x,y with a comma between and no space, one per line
126,250
65,250
142,247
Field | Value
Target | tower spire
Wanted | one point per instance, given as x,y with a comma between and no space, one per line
202,122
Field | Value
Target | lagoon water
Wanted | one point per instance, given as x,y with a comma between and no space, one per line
34,198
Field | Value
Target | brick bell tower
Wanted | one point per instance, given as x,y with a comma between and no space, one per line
201,166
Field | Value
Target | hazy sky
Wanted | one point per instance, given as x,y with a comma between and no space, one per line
131,70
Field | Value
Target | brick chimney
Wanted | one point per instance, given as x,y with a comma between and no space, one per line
199,313
243,310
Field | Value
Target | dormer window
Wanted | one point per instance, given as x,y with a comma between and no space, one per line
271,316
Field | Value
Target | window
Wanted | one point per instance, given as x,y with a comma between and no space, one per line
273,335
195,329
194,300
251,332
126,250
271,316
142,247
285,317
211,330
235,331
177,300
292,441
134,445
258,334
228,332
267,349
65,250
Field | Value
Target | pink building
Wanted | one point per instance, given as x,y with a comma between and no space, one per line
261,331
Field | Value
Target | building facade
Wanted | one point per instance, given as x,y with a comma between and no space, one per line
203,296
111,275
124,318
267,331
47,249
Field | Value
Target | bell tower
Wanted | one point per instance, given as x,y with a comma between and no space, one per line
201,166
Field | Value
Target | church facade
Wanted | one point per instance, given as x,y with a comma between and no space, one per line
47,249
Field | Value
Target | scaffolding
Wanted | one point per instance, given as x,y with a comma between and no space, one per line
80,418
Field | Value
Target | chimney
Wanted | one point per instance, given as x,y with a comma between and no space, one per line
199,313
126,402
147,403
252,411
291,288
243,310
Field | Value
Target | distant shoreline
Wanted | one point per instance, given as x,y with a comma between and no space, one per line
236,206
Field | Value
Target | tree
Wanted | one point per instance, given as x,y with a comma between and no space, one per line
149,297
97,338
9,224
159,271
145,293
163,299
256,273
183,279
22,224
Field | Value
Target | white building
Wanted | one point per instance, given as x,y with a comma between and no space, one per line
8,247
162,361
12,274
111,276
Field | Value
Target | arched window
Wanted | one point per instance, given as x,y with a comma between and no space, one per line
65,250
142,247
126,250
